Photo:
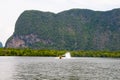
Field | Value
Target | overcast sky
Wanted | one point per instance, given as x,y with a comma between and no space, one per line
11,9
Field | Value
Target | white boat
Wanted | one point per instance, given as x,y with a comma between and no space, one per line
65,56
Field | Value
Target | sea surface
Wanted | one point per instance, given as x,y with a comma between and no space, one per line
50,68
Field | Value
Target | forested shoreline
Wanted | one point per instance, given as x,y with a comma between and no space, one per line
55,53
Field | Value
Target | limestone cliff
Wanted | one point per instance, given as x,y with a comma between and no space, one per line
75,29
24,41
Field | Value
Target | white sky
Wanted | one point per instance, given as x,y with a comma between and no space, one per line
11,9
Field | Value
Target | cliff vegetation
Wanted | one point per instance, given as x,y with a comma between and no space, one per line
75,29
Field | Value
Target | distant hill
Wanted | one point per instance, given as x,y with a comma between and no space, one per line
1,45
75,29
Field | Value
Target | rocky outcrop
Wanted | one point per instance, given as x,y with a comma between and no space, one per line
24,41
1,45
75,29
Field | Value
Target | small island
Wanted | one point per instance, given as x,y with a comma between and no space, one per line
1,45
82,32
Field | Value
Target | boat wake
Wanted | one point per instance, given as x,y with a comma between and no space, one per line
67,55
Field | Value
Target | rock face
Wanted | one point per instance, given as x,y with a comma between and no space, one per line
24,41
75,29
